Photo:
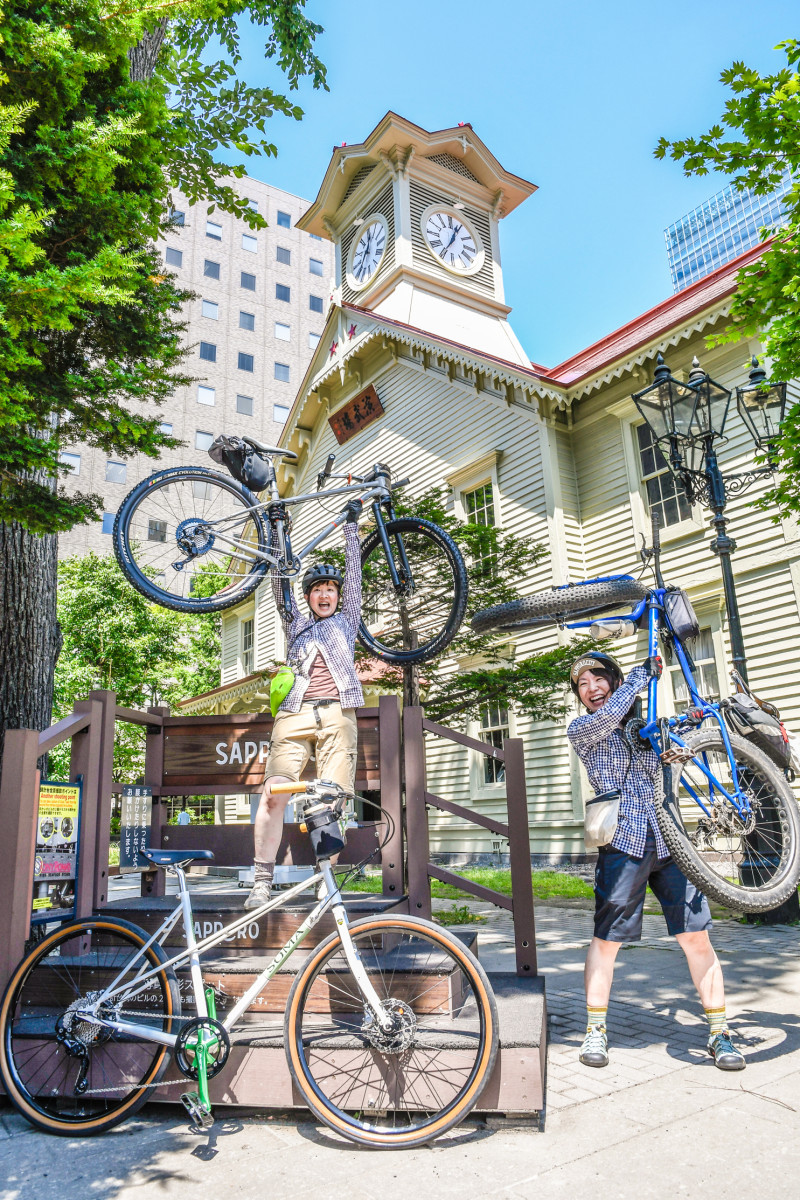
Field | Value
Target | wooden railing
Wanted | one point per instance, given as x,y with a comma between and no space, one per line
419,799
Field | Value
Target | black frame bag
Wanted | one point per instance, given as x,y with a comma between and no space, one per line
681,615
242,461
762,730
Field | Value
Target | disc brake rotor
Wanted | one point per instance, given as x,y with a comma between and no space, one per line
400,1036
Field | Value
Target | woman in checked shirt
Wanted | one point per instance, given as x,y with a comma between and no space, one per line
636,856
318,714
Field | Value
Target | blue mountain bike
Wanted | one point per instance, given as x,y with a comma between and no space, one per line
727,812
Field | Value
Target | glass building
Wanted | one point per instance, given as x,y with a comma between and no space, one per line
717,231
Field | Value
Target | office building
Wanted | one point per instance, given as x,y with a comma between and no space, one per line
720,229
261,298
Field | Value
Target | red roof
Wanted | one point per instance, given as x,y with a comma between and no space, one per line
623,341
678,308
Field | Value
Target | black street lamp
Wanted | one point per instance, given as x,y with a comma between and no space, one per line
686,420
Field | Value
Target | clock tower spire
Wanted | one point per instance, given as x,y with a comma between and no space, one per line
414,217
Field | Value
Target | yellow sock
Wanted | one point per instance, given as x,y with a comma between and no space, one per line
717,1020
595,1016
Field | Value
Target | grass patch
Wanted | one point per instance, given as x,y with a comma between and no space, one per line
459,914
546,884
113,854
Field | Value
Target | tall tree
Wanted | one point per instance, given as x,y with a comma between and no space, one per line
102,109
757,142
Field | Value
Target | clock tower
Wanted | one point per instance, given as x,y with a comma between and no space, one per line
414,218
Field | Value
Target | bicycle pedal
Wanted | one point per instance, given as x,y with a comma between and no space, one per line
191,1102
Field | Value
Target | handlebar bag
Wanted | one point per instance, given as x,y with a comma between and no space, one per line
764,732
681,615
241,460
325,832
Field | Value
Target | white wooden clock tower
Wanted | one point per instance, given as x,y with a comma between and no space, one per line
414,217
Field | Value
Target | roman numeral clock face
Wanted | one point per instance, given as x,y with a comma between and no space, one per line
453,242
368,252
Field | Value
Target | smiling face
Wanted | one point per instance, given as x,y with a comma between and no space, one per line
323,599
594,689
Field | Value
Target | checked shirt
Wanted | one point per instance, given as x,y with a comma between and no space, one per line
611,763
333,637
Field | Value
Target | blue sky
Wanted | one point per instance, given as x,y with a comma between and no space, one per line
571,96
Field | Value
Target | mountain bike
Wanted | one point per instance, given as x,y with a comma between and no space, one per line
198,541
390,1026
726,811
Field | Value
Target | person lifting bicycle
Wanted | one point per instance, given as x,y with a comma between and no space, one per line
636,856
319,711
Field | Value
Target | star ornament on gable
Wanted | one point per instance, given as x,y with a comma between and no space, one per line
334,347
351,333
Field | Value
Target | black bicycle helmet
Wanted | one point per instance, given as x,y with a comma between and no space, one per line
321,573
595,662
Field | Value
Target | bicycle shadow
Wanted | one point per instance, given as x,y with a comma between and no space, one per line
223,1127
320,1136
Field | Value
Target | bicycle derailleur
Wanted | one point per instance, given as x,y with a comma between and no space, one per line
78,1034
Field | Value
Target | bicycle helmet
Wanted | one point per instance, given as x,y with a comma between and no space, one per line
595,662
321,573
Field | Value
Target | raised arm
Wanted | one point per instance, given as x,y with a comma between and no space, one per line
351,592
588,731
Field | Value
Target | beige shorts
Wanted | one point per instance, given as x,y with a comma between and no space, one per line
334,741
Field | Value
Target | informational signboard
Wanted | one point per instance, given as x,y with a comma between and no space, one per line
134,828
55,864
354,416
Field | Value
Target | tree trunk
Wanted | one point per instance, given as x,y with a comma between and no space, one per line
144,55
30,637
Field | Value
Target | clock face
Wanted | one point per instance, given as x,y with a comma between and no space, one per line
368,252
452,241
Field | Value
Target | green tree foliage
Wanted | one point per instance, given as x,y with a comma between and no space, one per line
491,671
756,142
115,638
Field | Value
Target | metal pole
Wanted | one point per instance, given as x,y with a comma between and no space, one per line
724,546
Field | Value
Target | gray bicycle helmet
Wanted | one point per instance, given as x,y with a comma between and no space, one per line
321,573
595,662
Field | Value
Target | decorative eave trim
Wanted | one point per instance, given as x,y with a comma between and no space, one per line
222,695
649,351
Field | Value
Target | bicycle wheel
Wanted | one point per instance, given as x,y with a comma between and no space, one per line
555,604
750,865
70,1076
409,1087
185,539
417,620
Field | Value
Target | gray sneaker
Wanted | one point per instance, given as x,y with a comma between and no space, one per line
260,894
724,1053
594,1051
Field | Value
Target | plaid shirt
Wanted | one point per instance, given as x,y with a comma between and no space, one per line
611,763
333,637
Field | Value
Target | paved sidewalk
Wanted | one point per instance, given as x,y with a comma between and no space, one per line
660,1122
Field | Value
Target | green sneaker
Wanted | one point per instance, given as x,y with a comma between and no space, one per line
594,1051
724,1053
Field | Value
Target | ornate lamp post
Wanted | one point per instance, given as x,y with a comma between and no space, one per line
687,420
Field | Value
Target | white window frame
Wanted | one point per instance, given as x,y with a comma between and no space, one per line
710,613
479,788
629,417
247,619
480,470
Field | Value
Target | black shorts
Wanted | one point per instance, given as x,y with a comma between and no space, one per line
620,882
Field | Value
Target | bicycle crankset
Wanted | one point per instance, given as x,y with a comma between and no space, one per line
217,1045
400,1036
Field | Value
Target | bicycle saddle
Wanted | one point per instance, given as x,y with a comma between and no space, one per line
263,448
168,858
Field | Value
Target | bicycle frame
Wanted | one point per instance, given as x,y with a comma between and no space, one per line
123,992
655,729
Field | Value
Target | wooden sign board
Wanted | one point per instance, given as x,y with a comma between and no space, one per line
359,412
231,752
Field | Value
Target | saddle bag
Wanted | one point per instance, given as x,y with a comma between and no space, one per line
767,733
602,818
242,461
681,615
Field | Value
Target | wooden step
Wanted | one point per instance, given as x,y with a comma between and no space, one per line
269,932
